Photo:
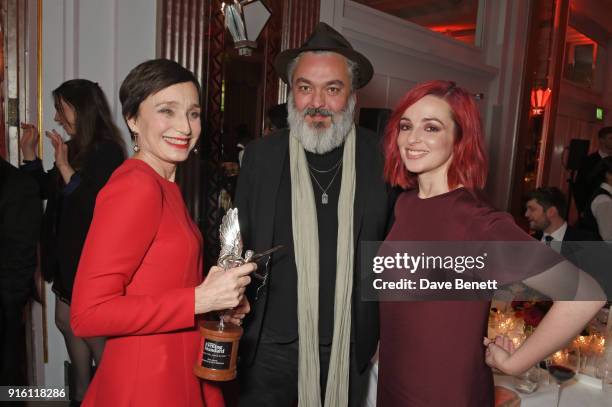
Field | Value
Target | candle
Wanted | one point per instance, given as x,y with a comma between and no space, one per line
598,344
559,357
582,343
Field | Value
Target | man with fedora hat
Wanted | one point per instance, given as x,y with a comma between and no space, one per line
317,189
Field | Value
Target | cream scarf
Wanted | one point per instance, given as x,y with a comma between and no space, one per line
306,243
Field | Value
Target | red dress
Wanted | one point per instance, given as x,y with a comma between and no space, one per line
431,352
135,285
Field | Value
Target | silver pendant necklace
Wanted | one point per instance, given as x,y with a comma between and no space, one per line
324,196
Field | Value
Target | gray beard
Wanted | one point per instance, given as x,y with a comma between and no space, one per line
321,140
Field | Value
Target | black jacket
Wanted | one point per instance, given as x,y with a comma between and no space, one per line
573,234
20,217
256,195
586,181
69,211
588,220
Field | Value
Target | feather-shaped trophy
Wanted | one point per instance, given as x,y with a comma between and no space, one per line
231,242
219,345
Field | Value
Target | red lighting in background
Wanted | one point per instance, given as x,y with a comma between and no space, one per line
539,100
460,32
449,28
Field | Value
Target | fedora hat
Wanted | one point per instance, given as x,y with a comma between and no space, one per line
325,38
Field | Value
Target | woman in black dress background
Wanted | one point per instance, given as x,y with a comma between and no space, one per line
82,166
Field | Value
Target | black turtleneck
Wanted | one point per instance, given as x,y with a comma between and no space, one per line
280,324
327,219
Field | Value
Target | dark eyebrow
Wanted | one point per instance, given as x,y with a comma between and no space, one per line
167,102
433,119
175,103
300,79
336,82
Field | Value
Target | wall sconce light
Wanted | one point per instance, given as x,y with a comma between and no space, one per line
245,20
539,100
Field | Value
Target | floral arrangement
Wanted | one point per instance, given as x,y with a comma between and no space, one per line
531,312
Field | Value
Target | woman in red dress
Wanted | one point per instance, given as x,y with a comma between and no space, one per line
139,281
431,352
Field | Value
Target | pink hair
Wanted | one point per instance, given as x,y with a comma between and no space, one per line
469,164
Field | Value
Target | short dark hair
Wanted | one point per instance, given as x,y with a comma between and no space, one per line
604,131
149,78
549,197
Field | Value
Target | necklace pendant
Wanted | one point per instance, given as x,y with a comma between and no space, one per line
324,199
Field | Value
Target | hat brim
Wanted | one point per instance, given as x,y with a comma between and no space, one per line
364,73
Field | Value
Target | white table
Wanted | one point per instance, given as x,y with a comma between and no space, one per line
584,391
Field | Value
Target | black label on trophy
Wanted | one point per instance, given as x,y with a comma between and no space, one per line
216,355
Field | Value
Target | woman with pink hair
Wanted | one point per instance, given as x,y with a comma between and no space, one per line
431,352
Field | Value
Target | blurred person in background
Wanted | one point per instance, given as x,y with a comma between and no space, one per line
545,210
276,119
20,217
82,166
585,184
598,214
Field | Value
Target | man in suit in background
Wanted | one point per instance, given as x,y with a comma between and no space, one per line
585,184
20,217
317,189
545,211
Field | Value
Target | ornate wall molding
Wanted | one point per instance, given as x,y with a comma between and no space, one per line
299,18
192,33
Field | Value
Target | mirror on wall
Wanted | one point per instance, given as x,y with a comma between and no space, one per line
581,56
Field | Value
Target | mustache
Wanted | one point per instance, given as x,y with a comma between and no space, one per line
313,111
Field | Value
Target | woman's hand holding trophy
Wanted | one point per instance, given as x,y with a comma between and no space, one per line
224,288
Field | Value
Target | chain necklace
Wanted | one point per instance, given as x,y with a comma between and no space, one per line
324,196
326,171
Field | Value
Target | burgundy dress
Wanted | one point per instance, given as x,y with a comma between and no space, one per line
431,353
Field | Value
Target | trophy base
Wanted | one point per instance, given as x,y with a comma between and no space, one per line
218,351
